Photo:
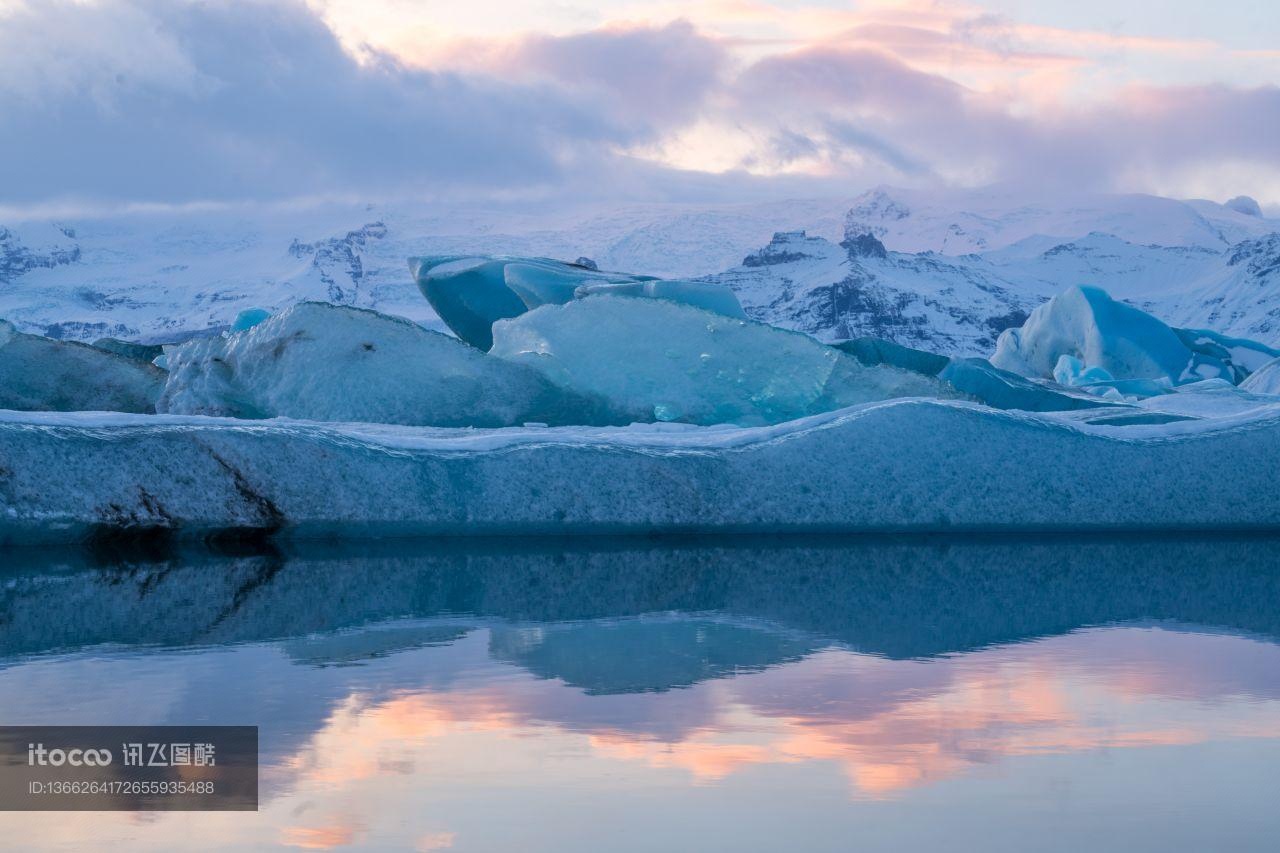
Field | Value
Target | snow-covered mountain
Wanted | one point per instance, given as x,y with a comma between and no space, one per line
156,275
945,271
1194,273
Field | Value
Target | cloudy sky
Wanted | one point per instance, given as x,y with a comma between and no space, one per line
182,101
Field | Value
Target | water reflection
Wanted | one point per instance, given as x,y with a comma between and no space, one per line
758,692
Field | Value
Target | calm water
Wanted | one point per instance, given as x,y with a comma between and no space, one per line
773,695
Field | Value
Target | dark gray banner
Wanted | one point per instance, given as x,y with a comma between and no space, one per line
128,768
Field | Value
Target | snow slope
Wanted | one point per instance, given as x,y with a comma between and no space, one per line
872,467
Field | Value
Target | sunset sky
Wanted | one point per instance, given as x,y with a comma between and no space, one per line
174,101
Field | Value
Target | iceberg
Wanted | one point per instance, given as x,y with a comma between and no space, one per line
651,359
1001,389
1102,339
40,374
472,293
333,363
1264,380
900,465
873,351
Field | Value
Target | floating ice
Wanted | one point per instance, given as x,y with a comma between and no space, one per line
1001,389
471,293
895,466
872,351
332,363
657,360
39,374
1096,333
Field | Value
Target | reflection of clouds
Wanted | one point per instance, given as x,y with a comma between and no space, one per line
417,750
890,725
319,837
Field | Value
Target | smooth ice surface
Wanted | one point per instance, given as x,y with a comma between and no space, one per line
657,360
872,351
699,294
329,363
898,465
39,374
1001,389
1264,380
1095,332
471,293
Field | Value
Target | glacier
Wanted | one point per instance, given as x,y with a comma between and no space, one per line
472,293
901,465
651,359
325,362
39,374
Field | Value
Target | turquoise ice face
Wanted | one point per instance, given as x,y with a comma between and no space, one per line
472,293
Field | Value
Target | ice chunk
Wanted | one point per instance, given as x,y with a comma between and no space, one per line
1096,331
325,362
905,465
471,293
248,318
700,294
39,374
657,360
1001,389
872,351
1264,380
1071,371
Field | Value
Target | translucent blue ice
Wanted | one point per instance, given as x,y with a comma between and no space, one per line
655,360
324,362
472,293
1001,389
248,318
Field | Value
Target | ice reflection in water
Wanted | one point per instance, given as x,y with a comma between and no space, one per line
891,694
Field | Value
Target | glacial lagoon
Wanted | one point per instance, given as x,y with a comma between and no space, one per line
882,693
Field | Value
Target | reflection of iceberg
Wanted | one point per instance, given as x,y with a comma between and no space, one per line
770,601
898,465
637,655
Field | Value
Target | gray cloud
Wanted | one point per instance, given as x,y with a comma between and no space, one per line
178,101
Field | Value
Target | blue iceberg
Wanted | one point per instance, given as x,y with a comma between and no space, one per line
1083,336
652,359
472,293
41,374
332,363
